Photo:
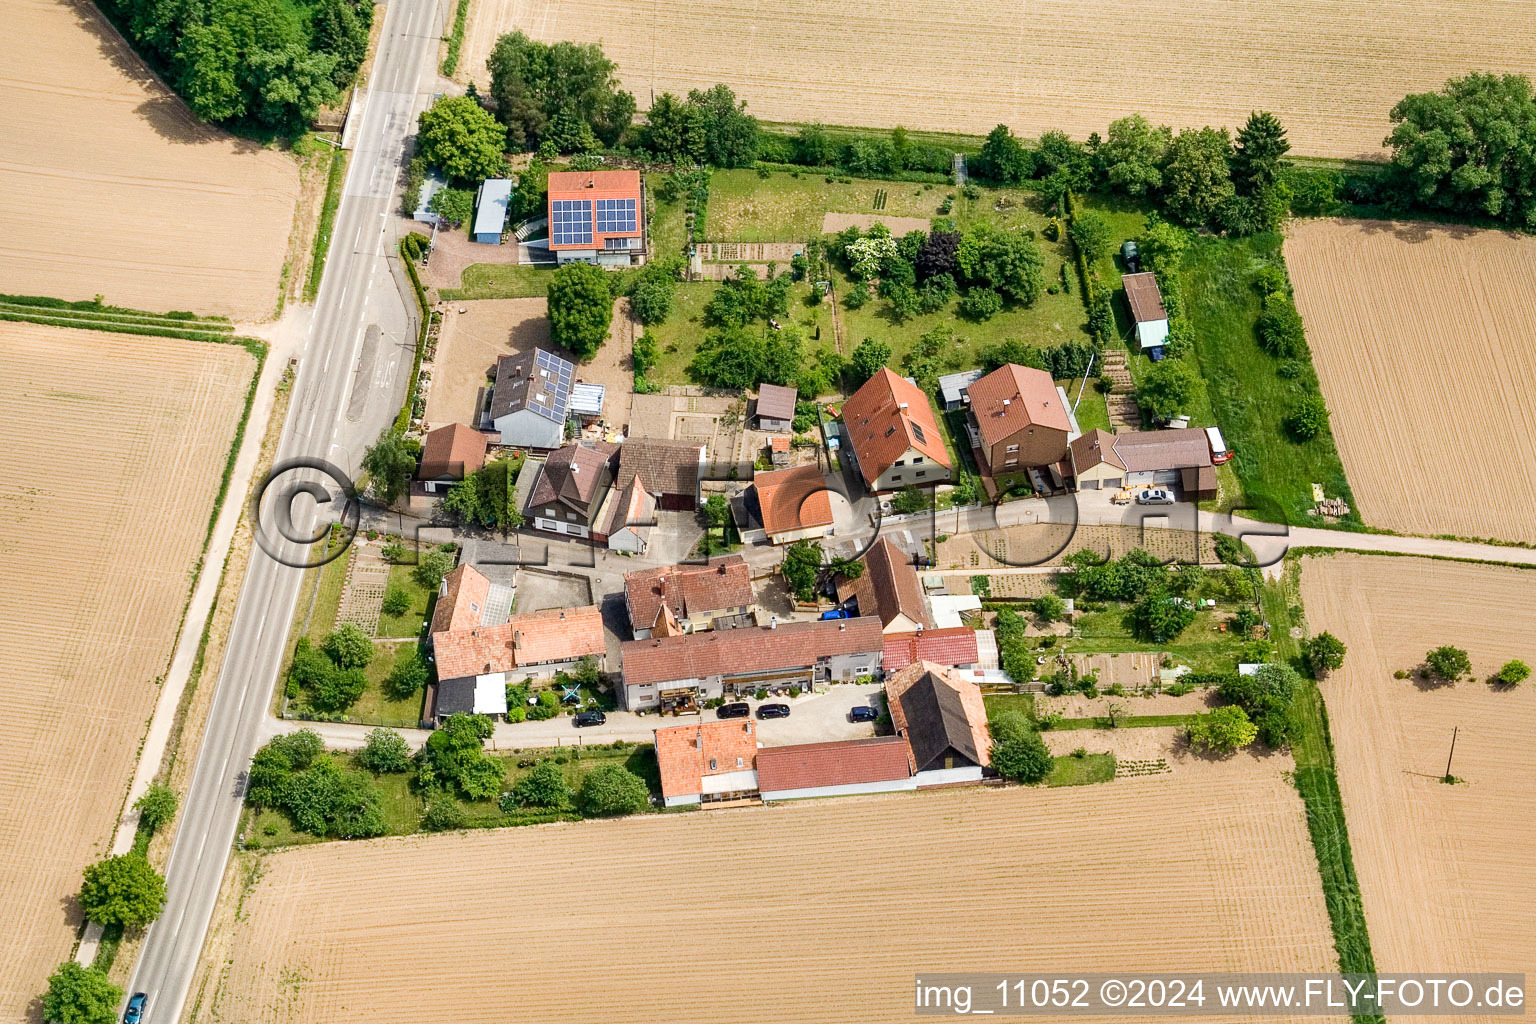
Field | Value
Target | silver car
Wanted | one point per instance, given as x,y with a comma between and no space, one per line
1154,497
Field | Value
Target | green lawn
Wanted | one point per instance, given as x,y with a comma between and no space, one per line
1092,410
668,225
1128,722
1246,397
677,340
411,621
501,281
999,702
374,707
333,577
1081,771
784,207
1200,646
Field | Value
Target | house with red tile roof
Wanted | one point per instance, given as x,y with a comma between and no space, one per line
675,672
893,435
597,217
473,660
448,455
688,598
707,762
792,504
570,490
887,588
878,764
943,719
952,646
1020,421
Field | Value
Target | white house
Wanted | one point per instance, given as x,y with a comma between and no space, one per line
530,400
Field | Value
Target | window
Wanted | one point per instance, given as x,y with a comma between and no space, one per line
917,460
711,764
1013,448
903,462
550,512
896,479
917,432
1011,462
738,762
890,430
922,473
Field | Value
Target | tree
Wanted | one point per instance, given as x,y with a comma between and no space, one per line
80,995
1162,247
340,28
910,500
717,511
444,814
848,568
324,800
1167,387
1130,160
1256,170
543,786
385,752
1308,417
1222,731
1280,329
338,691
487,497
1049,607
348,646
938,255
1062,162
1514,672
389,463
454,757
156,807
1197,177
533,84
460,136
122,890
730,133
868,359
1004,158
1158,617
867,256
454,205
1007,261
1324,653
611,789
407,676
1448,663
432,567
652,300
801,568
276,762
580,308
1093,236
1022,757
396,601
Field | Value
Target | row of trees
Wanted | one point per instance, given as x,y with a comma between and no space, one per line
266,65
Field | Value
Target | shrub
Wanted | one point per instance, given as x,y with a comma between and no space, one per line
444,814
156,807
349,647
396,601
611,789
1222,731
1308,418
1267,697
385,753
980,304
543,786
1513,673
1448,663
1159,617
548,706
1244,621
1022,757
454,758
1324,653
1049,607
407,676
1280,329
80,995
432,567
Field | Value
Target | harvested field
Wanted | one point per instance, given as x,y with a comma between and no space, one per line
1446,872
832,223
1421,341
1021,879
113,187
1331,69
108,482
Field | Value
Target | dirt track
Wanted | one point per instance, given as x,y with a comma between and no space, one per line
1421,335
114,188
1331,69
812,912
111,450
1448,873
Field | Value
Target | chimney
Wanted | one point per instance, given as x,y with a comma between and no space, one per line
1007,402
773,622
842,625
517,639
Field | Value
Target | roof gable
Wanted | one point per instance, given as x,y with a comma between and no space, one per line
454,450
888,587
938,710
1013,398
885,419
725,582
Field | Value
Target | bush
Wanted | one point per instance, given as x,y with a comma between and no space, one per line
396,601
611,789
1022,757
1308,418
1513,673
444,814
349,647
454,758
1280,329
980,304
1049,607
548,706
432,567
385,753
1159,617
543,786
80,995
156,807
1267,697
122,890
1448,663
407,676
1222,731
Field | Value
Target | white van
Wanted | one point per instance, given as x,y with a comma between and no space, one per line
1219,453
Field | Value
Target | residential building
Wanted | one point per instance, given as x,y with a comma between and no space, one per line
893,435
678,599
1165,458
1020,421
707,762
570,490
492,203
792,504
680,672
597,217
943,719
531,398
1095,464
888,588
473,661
880,764
467,599
775,407
1147,312
954,388
448,455
671,470
626,518
951,646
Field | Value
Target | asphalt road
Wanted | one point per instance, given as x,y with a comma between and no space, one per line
343,358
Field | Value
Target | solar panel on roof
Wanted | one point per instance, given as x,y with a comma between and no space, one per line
615,215
917,432
558,374
571,221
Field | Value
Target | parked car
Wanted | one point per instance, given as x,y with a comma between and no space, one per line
1219,451
863,713
1131,255
773,711
741,709
135,1012
1157,496
589,718
835,613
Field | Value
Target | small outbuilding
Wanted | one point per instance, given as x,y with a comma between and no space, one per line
492,203
431,185
1147,312
776,407
448,455
954,388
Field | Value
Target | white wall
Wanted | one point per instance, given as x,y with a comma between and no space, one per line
947,776
851,789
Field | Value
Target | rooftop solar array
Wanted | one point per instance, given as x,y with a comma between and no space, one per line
552,376
572,224
615,215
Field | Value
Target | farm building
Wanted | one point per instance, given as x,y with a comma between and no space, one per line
893,435
954,388
597,217
943,719
951,646
1165,458
792,504
677,599
880,764
492,201
680,672
1094,462
1020,423
709,762
775,407
1147,312
570,489
670,469
448,455
530,400
888,589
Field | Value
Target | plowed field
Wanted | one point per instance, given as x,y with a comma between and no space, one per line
1422,339
1331,69
112,187
1447,872
813,912
111,452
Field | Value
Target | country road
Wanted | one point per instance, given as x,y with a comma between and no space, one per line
350,382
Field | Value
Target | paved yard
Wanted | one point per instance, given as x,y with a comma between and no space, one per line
537,591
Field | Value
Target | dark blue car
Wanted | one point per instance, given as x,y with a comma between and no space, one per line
863,713
135,1012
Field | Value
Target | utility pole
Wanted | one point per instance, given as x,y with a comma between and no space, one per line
1454,731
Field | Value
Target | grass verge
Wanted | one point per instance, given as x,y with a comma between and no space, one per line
336,176
1126,722
1071,770
456,39
500,281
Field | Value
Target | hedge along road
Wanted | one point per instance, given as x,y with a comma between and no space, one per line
358,291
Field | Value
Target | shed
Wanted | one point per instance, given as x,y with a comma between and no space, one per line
776,407
954,388
492,203
587,401
431,185
1147,311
